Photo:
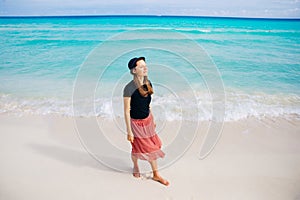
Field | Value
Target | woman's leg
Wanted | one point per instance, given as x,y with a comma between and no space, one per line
136,171
156,175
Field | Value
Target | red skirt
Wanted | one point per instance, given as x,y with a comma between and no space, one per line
146,144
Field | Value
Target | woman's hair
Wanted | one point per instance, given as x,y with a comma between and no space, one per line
145,89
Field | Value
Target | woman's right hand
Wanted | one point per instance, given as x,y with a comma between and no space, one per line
130,137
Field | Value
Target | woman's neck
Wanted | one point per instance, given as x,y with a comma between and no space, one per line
141,79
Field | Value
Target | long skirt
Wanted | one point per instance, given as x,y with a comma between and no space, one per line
146,144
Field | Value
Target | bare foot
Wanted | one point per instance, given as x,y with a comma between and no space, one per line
136,172
161,180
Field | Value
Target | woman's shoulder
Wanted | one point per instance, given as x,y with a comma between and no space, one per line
129,89
150,82
131,84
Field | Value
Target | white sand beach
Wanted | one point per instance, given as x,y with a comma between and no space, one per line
43,158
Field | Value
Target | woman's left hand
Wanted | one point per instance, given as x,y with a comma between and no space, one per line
130,138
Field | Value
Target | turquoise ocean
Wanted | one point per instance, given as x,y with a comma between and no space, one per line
258,62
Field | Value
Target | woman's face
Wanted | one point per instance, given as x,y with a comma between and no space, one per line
141,68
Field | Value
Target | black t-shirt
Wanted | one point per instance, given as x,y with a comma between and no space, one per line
139,105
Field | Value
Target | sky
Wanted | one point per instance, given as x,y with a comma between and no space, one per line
224,8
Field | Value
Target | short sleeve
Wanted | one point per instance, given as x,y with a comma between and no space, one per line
129,89
126,92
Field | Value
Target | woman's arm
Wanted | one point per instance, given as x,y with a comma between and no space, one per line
150,108
127,118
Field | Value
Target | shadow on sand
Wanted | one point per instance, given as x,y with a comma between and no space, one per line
82,159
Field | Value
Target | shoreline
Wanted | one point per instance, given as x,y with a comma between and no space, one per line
42,157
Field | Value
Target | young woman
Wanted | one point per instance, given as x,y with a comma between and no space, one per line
139,120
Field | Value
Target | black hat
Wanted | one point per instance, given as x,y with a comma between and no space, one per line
133,61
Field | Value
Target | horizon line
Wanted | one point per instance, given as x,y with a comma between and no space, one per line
146,15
